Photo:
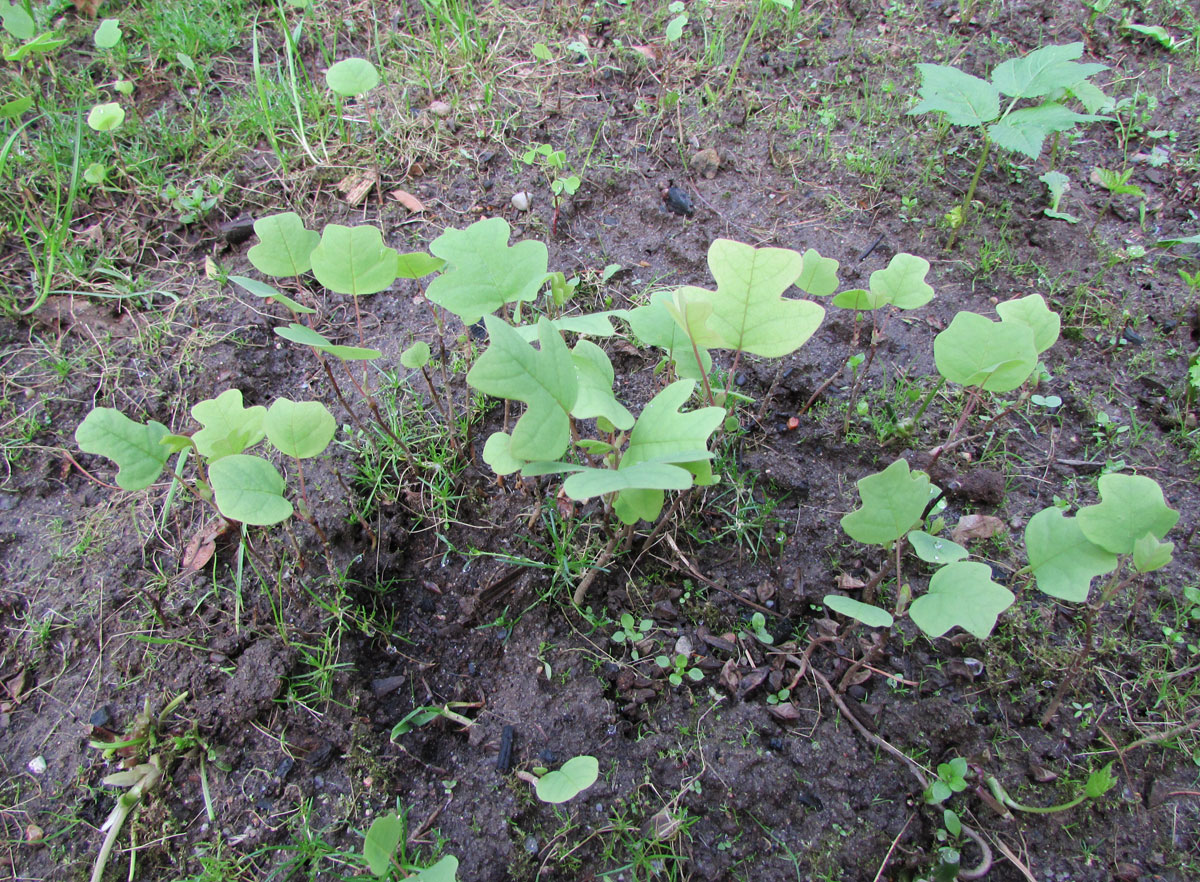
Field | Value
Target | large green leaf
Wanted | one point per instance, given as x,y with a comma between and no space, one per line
976,351
575,776
653,325
544,379
1032,312
1043,71
136,448
228,426
299,428
1130,507
1062,559
1025,130
892,503
482,272
961,594
354,260
966,100
284,246
249,489
749,311
306,336
595,398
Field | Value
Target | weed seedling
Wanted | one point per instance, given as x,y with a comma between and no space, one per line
679,668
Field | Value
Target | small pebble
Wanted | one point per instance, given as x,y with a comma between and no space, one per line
439,108
34,834
521,201
37,765
102,717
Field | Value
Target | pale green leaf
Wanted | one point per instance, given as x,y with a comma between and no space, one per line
497,453
284,246
935,550
262,289
1032,311
306,336
902,283
653,325
871,616
975,351
1025,130
354,260
859,299
593,324
381,841
482,272
1130,507
1092,97
1149,554
108,33
691,309
1062,559
961,594
249,489
585,484
301,429
352,77
966,100
595,398
136,448
416,356
445,870
228,426
819,274
17,20
1043,71
892,503
417,265
106,117
575,776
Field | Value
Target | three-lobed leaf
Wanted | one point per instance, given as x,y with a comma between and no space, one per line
482,272
354,260
1063,560
136,448
975,351
961,594
892,503
1043,71
284,246
1130,507
228,426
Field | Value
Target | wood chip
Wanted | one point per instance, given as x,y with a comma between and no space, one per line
357,185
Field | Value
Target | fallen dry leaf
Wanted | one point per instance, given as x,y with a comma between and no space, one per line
200,549
650,52
408,200
975,526
785,712
357,185
846,582
16,685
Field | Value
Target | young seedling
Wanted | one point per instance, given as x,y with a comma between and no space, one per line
679,668
575,776
632,632
1117,184
385,848
1058,184
351,78
1098,784
552,162
1048,75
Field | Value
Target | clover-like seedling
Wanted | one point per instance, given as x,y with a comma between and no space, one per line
780,697
575,776
632,630
951,778
106,117
758,629
679,668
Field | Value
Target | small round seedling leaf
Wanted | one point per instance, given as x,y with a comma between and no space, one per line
975,351
249,489
961,594
95,173
354,260
125,87
108,33
935,550
380,843
135,448
284,246
301,429
893,501
106,117
1062,559
415,356
1032,312
445,870
575,776
1130,507
902,283
497,453
871,616
352,77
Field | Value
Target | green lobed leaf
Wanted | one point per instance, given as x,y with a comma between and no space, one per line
1149,554
1025,130
892,503
961,594
306,336
1130,507
417,265
354,260
819,274
416,356
975,351
1100,782
749,311
302,429
595,396
902,283
108,33
265,291
1043,71
653,325
497,453
935,550
575,776
284,245
1032,311
228,426
545,380
249,489
352,77
1062,559
966,100
871,616
1091,96
136,448
482,272
381,841
445,870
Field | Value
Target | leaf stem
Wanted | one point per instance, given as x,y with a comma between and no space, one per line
966,203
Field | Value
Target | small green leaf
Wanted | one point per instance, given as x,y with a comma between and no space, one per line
302,429
108,33
859,299
1062,559
354,260
497,453
871,616
575,776
228,426
893,501
961,594
595,396
42,44
265,291
16,107
654,325
966,100
417,265
306,336
249,489
17,20
932,549
416,356
186,62
542,52
95,173
445,870
819,275
1100,782
381,841
284,246
1149,554
482,272
902,283
584,485
1130,507
1032,312
106,117
136,448
352,77
975,351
